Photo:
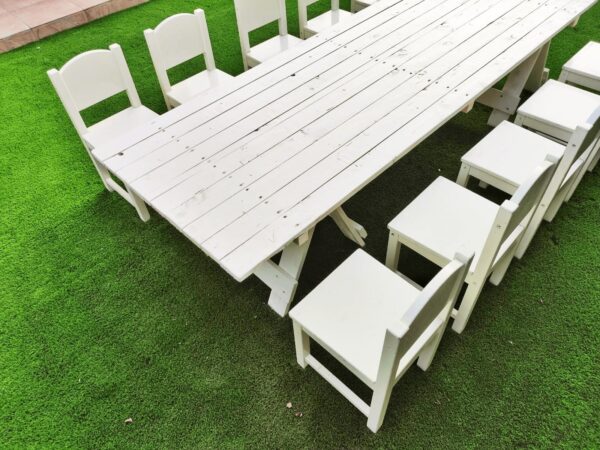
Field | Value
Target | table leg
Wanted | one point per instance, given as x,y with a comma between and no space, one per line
506,101
282,278
540,73
351,229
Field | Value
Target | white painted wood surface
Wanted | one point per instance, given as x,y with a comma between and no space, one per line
583,69
178,39
446,216
376,324
247,168
88,79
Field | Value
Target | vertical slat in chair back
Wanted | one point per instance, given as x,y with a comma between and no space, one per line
253,14
95,76
435,302
180,38
530,193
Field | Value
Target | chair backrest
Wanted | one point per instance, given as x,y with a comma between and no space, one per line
516,211
435,302
90,78
585,136
530,193
253,14
177,39
303,10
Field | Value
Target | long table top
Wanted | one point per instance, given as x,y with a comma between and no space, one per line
245,169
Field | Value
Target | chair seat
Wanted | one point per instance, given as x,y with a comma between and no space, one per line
586,62
327,20
197,84
118,124
271,47
447,217
560,106
350,311
511,153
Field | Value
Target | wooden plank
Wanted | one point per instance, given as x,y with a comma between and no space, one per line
478,41
197,160
267,241
288,92
237,178
252,82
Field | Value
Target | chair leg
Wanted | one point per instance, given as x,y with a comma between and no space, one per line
302,342
379,405
586,168
393,252
533,226
428,352
386,378
502,267
594,162
555,206
467,305
519,119
463,175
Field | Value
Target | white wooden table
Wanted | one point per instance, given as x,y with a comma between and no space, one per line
249,170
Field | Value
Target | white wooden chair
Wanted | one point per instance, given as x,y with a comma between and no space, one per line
357,5
254,14
175,40
328,19
376,324
556,110
88,79
446,216
509,153
584,70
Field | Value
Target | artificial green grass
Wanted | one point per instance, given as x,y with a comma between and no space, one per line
103,317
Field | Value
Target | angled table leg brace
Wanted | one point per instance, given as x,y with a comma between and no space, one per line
126,193
349,228
283,278
506,101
